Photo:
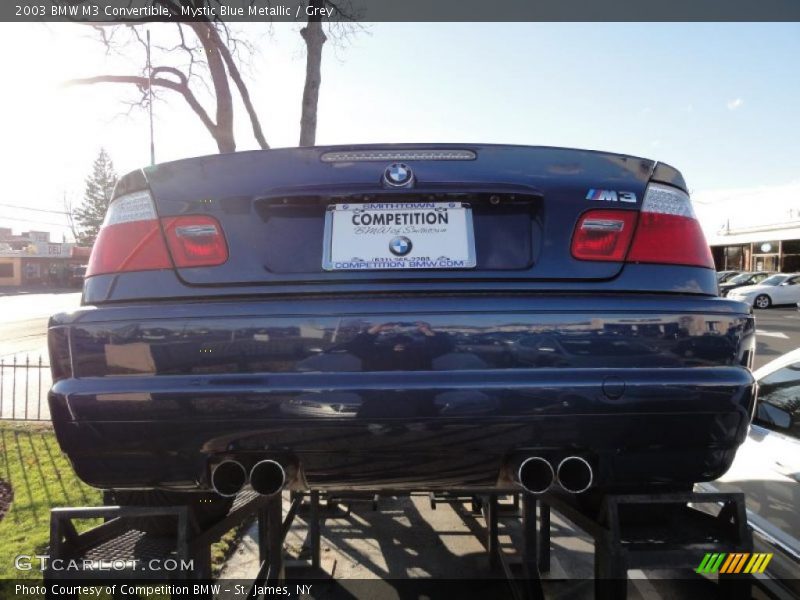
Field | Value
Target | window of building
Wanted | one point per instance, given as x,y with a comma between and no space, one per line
790,262
766,262
766,256
6,269
765,247
791,247
735,258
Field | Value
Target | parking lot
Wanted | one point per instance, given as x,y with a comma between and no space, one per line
777,331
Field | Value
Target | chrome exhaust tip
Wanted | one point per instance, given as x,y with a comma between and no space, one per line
228,478
268,477
575,474
535,475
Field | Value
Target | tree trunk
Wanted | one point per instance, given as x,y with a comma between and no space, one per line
226,143
234,73
222,91
314,37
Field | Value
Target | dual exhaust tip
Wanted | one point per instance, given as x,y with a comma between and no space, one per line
267,477
536,475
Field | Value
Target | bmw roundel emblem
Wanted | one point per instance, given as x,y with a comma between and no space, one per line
400,246
398,175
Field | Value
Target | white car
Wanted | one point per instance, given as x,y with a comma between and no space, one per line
782,288
767,470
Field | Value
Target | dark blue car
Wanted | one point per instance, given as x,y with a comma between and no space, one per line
402,317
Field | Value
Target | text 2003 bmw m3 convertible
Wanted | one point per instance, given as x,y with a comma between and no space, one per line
399,317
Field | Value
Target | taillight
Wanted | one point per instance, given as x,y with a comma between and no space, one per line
668,231
130,238
665,231
603,235
195,241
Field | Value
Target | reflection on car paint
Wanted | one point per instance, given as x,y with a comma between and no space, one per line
434,344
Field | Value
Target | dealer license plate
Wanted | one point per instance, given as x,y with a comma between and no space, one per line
423,235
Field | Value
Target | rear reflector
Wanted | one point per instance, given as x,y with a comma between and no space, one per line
603,235
130,238
195,241
668,231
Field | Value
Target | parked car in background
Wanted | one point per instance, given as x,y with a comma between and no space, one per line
723,276
708,347
583,350
742,279
781,288
767,470
76,276
348,318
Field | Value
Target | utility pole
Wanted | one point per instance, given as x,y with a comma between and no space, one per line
150,100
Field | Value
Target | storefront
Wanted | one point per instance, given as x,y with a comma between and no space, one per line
772,248
55,269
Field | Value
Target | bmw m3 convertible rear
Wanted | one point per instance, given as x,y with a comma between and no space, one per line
402,317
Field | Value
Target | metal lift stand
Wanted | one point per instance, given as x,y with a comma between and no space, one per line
272,531
618,547
676,544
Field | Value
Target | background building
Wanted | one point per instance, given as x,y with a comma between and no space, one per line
764,248
31,259
754,229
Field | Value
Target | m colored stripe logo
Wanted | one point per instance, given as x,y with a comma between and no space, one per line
735,562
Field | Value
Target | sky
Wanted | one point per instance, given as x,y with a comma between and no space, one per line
718,101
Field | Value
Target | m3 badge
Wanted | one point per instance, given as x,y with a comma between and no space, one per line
611,196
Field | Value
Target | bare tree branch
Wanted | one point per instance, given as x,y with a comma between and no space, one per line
214,56
143,82
190,51
70,212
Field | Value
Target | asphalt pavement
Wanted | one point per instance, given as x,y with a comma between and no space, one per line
777,332
23,321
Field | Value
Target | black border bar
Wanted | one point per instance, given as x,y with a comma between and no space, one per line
296,11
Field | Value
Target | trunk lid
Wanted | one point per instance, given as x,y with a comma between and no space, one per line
524,203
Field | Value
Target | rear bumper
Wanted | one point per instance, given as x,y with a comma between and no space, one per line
153,396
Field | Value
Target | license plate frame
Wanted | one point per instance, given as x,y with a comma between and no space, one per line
429,229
